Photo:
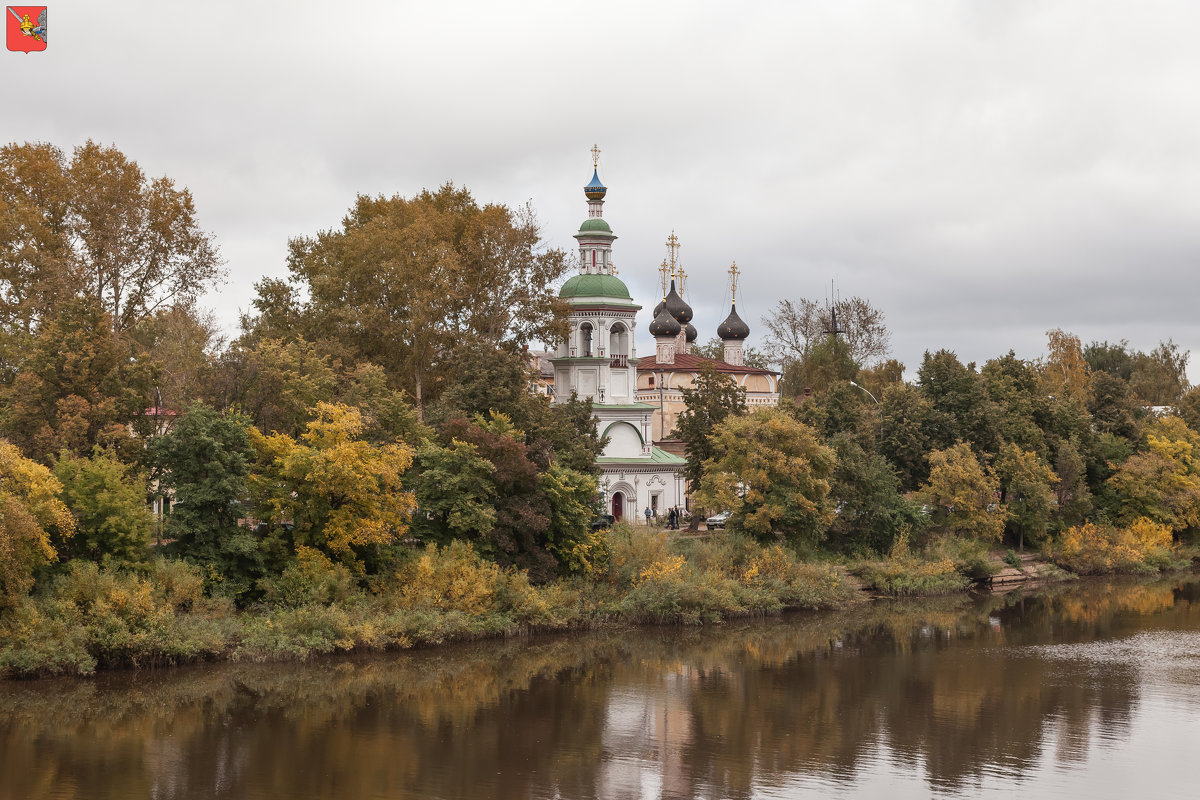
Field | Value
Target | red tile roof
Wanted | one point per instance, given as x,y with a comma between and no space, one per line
687,362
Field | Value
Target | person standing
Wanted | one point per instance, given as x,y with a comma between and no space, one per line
647,515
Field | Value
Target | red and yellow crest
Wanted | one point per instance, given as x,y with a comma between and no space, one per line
25,28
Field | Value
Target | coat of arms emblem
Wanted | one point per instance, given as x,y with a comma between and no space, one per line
25,28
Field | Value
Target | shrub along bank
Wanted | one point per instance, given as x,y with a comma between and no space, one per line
91,617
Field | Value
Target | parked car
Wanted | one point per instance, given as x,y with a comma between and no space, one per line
717,521
603,521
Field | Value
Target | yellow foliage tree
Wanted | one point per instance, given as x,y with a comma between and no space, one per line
1065,371
1162,483
29,508
772,473
340,491
961,494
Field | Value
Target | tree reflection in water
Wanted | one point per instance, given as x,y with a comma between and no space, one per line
955,690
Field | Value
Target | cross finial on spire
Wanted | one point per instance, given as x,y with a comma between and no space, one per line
733,276
662,278
595,156
682,276
673,252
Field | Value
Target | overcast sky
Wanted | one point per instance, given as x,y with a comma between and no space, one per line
980,170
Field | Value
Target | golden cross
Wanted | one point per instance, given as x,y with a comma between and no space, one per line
673,251
682,275
733,275
662,275
612,265
595,156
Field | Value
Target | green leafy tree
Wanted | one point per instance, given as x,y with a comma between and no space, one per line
1013,387
1074,497
773,474
204,461
870,511
497,381
1028,486
908,424
30,512
456,493
108,501
962,408
961,495
712,399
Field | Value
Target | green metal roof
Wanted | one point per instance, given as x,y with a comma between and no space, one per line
657,456
595,286
594,224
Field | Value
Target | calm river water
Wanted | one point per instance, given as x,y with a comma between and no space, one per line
1088,691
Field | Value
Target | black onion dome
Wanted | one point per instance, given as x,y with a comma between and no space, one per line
678,309
664,325
657,309
692,333
733,327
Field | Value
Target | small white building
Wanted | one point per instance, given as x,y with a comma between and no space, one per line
599,361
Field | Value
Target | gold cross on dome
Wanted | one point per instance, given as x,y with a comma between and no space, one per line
733,276
673,252
682,276
595,156
662,276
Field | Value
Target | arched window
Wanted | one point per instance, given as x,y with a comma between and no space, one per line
585,339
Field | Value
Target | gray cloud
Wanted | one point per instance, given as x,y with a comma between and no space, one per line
981,171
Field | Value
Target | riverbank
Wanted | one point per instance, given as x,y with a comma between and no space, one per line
90,619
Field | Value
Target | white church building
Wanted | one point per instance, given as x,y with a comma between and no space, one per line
599,361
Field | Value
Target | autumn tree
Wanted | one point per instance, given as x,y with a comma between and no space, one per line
711,399
1159,378
497,380
30,511
1162,482
344,495
1065,370
773,474
184,343
408,283
78,385
96,226
961,495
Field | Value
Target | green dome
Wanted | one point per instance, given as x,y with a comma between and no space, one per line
594,224
595,286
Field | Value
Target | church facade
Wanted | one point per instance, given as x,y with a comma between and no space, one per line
630,395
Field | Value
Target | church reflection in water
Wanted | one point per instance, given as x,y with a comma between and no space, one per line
949,695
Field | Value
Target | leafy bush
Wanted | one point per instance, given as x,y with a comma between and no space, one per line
1089,549
311,578
91,617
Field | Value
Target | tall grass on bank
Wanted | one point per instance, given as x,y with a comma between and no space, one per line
92,618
